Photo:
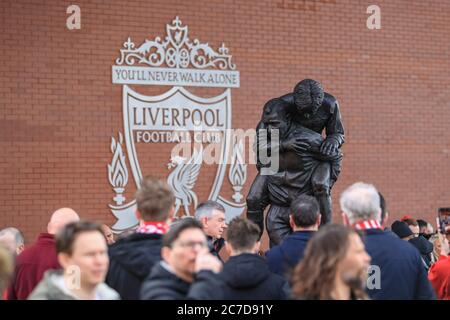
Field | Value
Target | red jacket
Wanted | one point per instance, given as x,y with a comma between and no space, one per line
31,265
439,276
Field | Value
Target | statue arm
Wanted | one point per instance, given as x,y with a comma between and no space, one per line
320,156
259,145
335,128
264,145
334,159
289,98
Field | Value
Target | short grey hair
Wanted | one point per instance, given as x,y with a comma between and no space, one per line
361,201
18,235
206,209
430,228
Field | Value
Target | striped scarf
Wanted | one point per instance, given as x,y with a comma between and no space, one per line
152,227
367,224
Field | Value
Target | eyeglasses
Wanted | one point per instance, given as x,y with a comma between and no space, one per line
192,244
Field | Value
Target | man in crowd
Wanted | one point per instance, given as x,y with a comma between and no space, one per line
13,240
246,274
132,258
305,221
188,270
83,254
32,263
425,229
212,217
397,264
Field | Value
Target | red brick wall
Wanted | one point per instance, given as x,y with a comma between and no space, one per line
59,109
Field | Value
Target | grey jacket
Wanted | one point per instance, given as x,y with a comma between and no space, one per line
52,287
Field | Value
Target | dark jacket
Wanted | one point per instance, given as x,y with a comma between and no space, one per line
425,248
131,260
247,277
283,258
402,273
162,284
31,265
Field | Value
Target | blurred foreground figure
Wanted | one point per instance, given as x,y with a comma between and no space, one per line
334,266
83,255
188,270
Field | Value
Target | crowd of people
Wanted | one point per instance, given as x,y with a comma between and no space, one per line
204,257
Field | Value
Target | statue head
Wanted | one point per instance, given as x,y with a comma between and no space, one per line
276,115
308,96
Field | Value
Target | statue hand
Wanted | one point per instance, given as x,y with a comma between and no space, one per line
296,145
329,147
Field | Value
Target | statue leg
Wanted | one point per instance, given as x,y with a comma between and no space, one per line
278,226
320,181
257,201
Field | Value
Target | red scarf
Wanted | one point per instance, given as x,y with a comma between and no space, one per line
152,227
367,224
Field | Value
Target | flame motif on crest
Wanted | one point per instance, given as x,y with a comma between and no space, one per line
117,170
237,173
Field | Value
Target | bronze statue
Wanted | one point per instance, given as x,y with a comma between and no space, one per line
308,163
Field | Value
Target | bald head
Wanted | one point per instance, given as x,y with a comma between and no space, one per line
60,218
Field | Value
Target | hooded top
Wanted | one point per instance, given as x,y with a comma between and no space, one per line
247,277
131,260
52,287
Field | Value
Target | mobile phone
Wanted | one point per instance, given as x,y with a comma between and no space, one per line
444,219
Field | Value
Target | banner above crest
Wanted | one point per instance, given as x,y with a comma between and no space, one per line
176,61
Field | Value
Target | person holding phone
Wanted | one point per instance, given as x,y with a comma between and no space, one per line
439,274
